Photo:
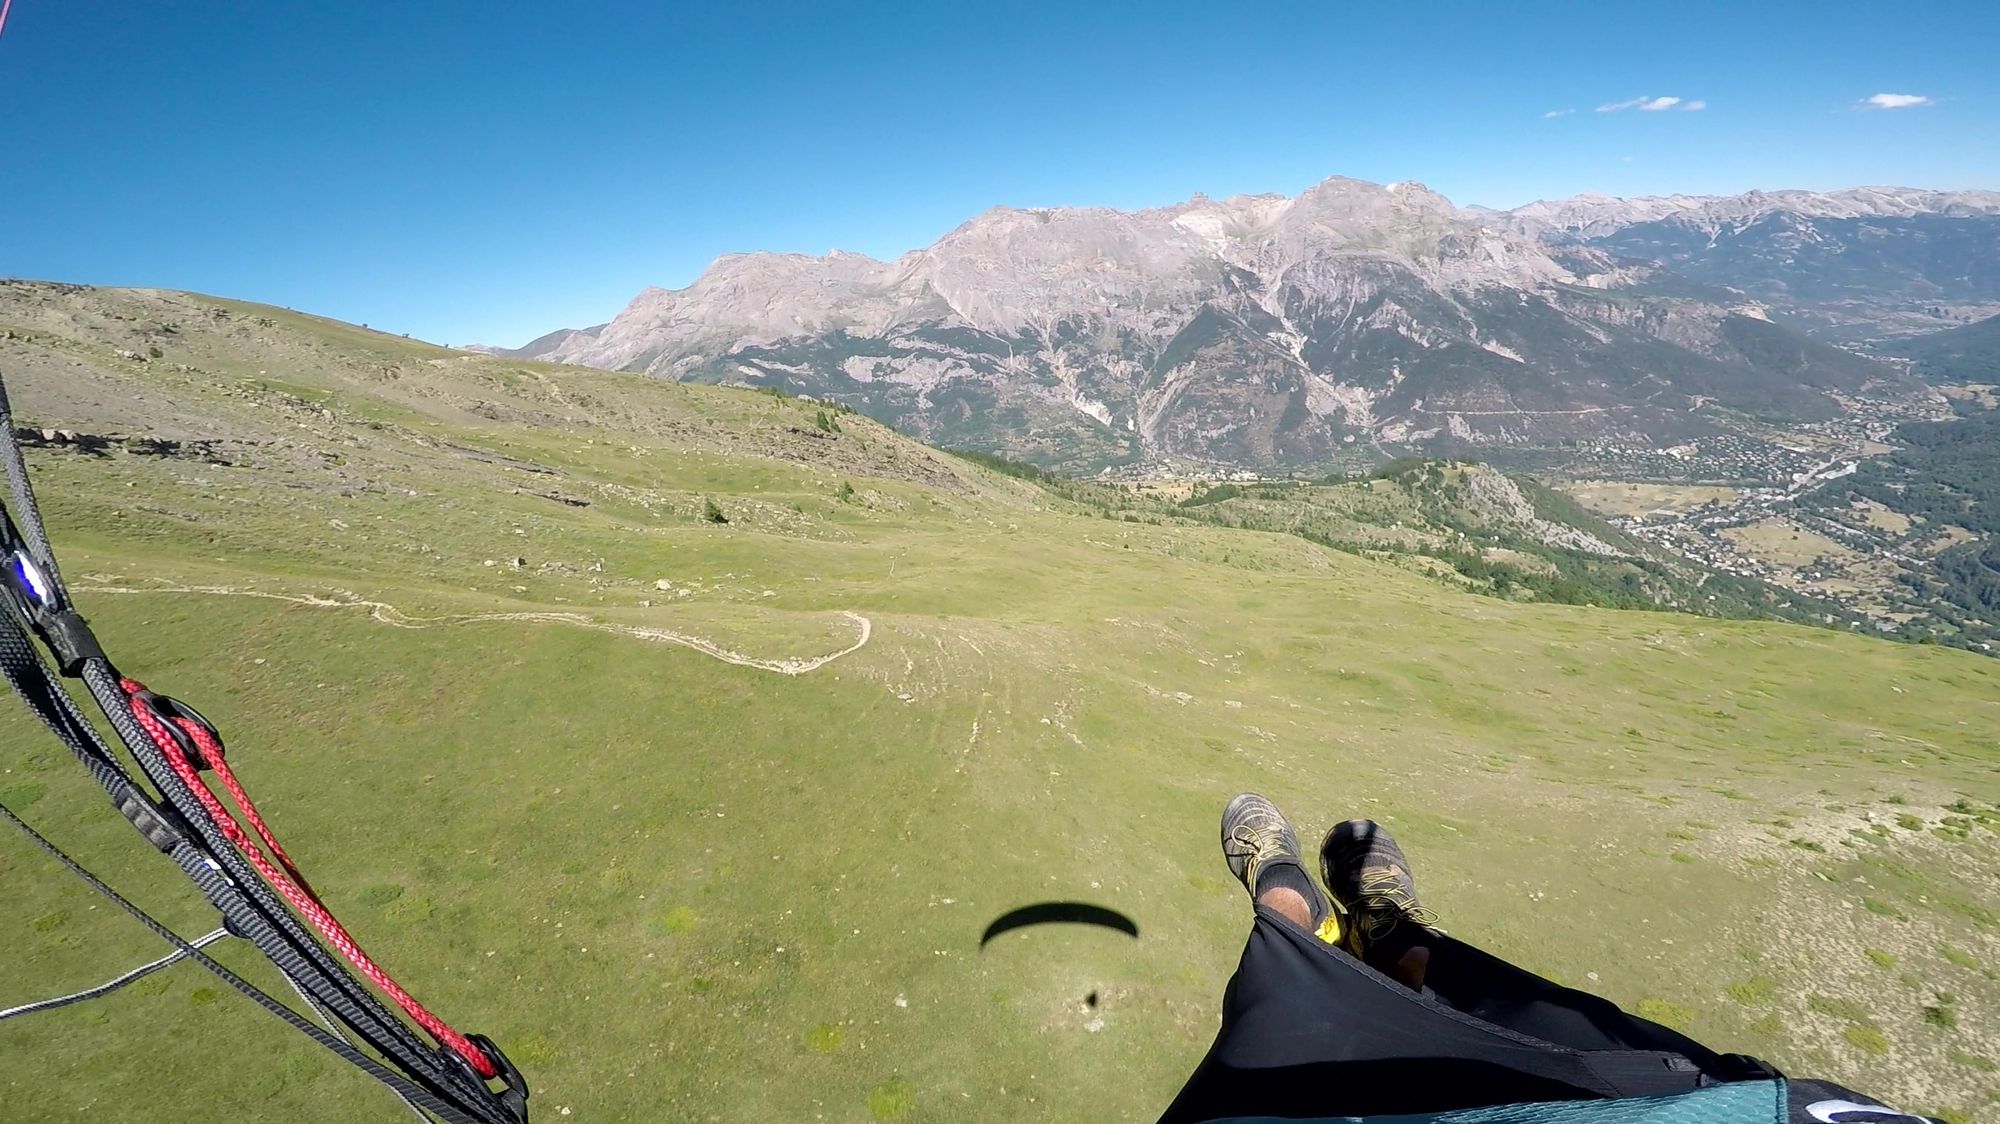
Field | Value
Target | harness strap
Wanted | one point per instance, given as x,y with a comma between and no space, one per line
172,744
252,908
395,1081
114,983
288,881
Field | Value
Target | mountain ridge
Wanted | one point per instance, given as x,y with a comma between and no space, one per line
1272,332
1595,213
1584,212
1581,213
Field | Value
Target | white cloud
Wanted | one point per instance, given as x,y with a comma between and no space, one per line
1898,101
1554,113
1650,105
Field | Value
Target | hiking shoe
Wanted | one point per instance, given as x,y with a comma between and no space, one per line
1255,835
1371,881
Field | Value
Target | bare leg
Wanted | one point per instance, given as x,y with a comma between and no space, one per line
1263,853
1290,904
1409,970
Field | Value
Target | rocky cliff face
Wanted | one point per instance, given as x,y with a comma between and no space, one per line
1257,331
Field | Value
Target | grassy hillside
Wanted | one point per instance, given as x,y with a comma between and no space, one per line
571,758
1464,525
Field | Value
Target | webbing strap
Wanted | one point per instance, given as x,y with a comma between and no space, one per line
448,1082
287,881
240,915
187,948
112,984
235,887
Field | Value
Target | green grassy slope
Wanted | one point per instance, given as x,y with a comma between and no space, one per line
678,884
1465,525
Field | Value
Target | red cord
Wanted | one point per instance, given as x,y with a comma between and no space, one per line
287,881
211,753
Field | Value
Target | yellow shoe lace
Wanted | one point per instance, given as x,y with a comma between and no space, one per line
1260,842
1385,900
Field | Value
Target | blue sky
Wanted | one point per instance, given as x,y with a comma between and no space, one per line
488,171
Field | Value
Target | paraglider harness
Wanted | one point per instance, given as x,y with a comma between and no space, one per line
459,1078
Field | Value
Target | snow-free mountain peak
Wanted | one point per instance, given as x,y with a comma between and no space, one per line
1264,330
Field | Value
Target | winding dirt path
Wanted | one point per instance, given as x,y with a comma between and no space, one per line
390,615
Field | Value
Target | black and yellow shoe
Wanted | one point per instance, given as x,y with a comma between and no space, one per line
1371,882
1255,837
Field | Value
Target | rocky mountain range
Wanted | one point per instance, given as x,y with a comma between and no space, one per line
1594,215
1850,266
1350,321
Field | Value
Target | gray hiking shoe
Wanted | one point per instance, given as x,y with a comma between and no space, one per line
1371,881
1255,835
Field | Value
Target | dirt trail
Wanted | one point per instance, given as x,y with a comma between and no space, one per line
390,615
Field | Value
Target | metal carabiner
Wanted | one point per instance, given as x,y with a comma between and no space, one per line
513,1096
167,708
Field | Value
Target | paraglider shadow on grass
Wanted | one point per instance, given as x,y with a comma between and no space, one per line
1059,913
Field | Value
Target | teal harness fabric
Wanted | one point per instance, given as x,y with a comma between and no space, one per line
1739,1102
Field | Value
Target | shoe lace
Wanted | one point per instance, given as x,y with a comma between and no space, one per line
1385,900
1261,842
